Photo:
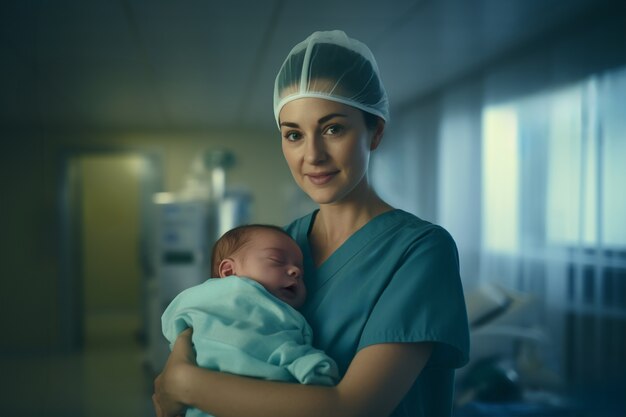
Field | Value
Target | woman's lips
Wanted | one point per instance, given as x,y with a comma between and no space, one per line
321,179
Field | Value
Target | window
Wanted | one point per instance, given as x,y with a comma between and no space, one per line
579,136
554,212
500,179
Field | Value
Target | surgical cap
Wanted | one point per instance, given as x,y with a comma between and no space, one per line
332,66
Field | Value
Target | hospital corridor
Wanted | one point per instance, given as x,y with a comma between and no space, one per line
135,133
106,373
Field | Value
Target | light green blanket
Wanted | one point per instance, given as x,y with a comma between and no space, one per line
240,328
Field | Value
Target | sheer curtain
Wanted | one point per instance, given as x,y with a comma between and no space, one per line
531,190
554,216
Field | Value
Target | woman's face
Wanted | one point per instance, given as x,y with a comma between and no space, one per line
327,147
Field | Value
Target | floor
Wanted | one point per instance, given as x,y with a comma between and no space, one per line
108,379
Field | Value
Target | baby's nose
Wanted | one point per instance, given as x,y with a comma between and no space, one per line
294,271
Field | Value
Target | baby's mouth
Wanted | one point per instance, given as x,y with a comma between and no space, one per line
290,291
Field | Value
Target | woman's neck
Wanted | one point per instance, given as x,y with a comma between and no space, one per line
336,222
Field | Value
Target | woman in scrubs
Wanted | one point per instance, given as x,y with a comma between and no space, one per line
384,293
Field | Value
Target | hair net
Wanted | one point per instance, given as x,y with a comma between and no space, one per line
332,66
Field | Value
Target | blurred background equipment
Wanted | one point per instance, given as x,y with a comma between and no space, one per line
187,224
508,373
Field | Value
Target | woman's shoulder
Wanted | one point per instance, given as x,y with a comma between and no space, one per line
414,227
412,235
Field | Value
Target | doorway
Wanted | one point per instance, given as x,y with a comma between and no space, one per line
111,272
105,213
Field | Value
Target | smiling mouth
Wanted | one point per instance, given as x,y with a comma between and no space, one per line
321,179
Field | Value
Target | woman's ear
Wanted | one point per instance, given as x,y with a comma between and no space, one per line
378,134
226,268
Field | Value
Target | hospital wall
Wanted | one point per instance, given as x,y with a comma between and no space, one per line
30,177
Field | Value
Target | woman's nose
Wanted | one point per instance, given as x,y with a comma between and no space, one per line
315,152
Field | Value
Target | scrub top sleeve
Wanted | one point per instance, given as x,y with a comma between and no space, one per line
423,301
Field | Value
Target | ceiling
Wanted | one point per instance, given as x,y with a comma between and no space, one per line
164,64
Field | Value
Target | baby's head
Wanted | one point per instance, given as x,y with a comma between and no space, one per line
266,254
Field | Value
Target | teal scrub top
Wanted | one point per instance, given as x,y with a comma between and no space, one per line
394,280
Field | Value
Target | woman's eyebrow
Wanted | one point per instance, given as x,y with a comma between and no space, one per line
320,121
330,116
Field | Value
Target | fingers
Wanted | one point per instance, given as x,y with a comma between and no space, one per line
155,403
184,337
182,351
157,408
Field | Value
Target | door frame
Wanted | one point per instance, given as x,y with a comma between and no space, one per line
70,296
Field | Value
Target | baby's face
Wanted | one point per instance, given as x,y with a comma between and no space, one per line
275,261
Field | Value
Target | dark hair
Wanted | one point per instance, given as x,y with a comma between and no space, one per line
235,239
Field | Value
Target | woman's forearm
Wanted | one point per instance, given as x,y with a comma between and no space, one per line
228,395
377,379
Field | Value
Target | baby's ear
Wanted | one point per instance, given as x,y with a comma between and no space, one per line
226,268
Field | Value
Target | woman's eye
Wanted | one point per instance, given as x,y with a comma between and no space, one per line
292,136
334,129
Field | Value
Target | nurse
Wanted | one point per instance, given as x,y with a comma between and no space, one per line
385,298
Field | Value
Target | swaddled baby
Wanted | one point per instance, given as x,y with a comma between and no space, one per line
245,320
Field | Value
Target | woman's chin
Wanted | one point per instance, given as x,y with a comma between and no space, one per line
321,198
334,196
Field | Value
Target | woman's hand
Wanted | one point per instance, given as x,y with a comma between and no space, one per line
167,396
